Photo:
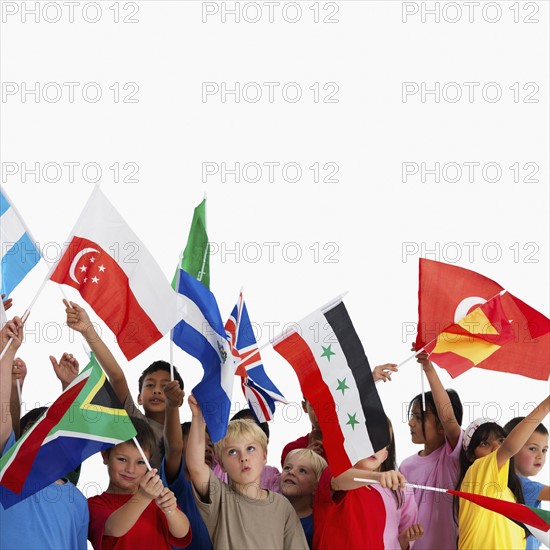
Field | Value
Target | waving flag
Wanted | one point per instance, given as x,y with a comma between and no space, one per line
473,339
114,272
448,293
202,335
18,252
196,256
84,420
336,379
257,387
536,520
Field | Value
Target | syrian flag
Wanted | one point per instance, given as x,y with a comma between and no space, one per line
535,520
336,379
473,339
85,419
260,392
201,334
114,272
448,293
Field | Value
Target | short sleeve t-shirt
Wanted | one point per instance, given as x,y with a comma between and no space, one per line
435,510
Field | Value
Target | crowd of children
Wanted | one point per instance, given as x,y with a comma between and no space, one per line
175,489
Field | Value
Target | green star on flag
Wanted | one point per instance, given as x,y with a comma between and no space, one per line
352,420
327,352
342,385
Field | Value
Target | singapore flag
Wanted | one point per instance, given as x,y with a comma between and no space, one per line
114,272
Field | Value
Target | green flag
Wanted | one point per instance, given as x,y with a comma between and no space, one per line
196,256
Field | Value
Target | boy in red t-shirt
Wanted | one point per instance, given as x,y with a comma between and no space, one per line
137,511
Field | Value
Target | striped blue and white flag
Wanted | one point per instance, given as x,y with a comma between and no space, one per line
260,392
201,334
18,252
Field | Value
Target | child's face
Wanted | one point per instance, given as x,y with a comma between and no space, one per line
298,478
125,466
243,460
373,462
433,429
152,391
531,458
489,445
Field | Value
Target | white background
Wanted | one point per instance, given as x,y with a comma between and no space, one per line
363,232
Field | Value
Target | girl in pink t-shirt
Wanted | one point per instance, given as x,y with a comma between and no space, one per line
437,428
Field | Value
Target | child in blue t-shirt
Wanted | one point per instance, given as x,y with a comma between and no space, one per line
529,461
55,516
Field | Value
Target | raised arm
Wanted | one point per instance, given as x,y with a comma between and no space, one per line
18,373
517,438
194,455
12,329
173,440
445,412
78,320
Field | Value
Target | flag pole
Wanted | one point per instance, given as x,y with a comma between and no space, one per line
411,485
136,442
172,329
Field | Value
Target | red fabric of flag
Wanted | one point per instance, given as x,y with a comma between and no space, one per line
447,293
512,510
473,339
105,286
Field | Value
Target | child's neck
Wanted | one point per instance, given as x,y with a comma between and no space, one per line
429,448
156,416
302,506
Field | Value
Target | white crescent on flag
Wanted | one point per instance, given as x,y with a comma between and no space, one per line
76,260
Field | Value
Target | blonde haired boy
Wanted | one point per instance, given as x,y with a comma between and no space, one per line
240,514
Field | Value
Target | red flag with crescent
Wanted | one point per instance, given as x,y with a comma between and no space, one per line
448,293
113,271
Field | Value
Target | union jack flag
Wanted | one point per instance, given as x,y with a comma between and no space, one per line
259,390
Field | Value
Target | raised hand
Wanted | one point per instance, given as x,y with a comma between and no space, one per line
7,303
12,329
19,371
66,369
77,317
383,372
151,485
173,394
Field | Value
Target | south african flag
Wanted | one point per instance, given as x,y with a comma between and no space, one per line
85,419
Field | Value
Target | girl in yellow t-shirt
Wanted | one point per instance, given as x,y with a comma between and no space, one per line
486,469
